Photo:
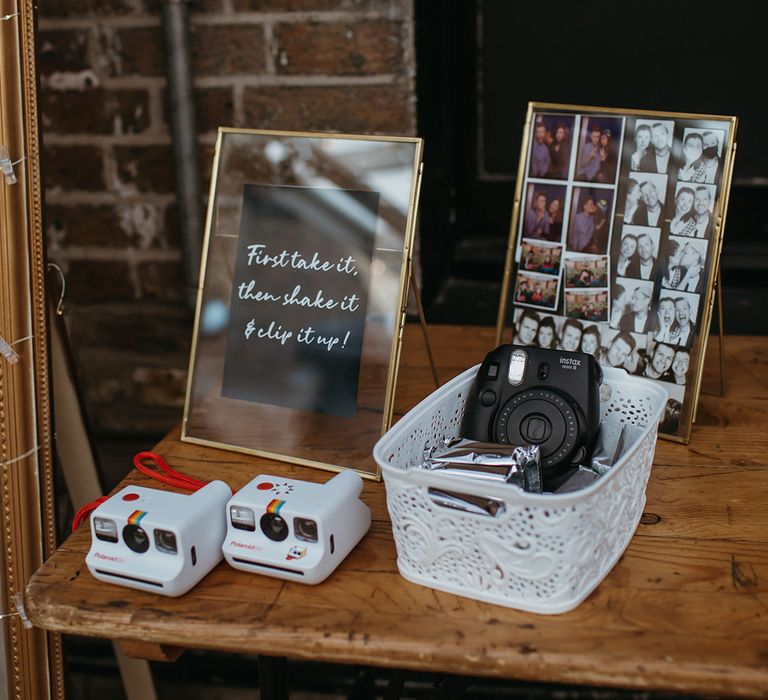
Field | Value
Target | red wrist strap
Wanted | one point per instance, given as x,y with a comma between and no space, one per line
162,472
165,473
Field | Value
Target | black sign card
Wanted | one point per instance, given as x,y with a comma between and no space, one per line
299,297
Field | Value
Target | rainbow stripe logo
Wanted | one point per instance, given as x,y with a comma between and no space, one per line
135,517
275,505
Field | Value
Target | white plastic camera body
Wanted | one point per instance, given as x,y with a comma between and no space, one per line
295,530
158,541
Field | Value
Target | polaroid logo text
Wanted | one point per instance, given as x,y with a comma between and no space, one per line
241,545
107,557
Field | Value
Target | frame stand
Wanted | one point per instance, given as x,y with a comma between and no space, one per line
720,391
424,330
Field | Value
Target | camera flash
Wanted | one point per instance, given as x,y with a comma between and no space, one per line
105,529
517,361
242,518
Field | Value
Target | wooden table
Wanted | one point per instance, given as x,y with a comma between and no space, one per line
685,609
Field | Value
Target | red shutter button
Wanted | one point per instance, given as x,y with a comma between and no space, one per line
131,497
265,486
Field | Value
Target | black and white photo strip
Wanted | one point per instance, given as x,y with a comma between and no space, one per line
701,155
658,269
674,317
648,146
551,146
622,349
644,199
693,214
555,332
635,253
673,411
657,354
631,305
684,264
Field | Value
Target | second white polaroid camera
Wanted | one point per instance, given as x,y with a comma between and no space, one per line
295,530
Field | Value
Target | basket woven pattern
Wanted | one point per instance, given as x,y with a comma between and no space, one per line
545,553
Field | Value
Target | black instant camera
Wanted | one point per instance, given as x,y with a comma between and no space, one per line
533,396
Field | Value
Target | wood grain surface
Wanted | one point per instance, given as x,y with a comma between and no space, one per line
685,609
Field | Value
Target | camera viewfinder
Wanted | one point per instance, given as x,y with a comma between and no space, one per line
305,529
517,362
242,518
106,529
165,541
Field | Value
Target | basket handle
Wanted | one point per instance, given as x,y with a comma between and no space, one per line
469,503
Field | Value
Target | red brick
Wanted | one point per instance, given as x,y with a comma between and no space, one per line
227,50
214,107
144,224
88,8
99,281
162,386
161,281
195,7
354,109
72,168
358,48
119,396
64,50
133,51
319,5
206,166
136,327
95,111
145,168
85,225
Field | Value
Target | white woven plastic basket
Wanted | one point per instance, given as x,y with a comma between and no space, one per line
545,553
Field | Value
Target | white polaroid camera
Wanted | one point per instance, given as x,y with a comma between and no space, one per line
295,530
158,541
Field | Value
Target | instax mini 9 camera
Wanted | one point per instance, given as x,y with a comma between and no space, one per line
156,540
534,396
295,530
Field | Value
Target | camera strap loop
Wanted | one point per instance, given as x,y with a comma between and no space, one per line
165,473
160,471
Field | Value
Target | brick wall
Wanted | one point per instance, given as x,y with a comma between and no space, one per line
331,65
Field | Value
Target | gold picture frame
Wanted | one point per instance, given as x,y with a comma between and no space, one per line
301,303
32,658
637,231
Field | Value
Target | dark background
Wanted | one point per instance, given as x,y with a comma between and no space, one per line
480,63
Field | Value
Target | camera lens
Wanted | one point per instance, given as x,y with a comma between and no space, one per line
274,527
545,418
165,541
305,529
136,538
